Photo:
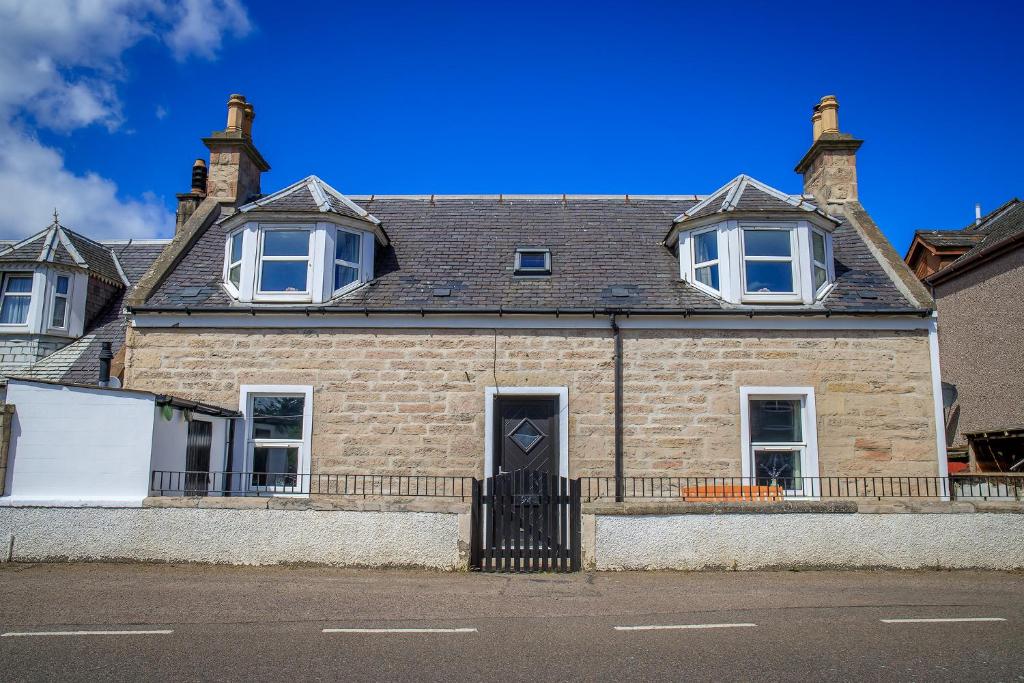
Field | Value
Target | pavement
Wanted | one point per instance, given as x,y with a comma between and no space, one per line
189,622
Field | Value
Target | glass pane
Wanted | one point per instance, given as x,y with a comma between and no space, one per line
60,307
778,468
283,276
236,248
818,240
14,310
533,260
769,276
19,283
275,466
347,247
277,417
235,274
62,284
526,435
708,275
775,421
820,277
766,242
705,247
286,243
343,275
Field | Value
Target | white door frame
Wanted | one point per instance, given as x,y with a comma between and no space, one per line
491,393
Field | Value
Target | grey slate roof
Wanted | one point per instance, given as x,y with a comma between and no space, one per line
467,244
79,361
1005,222
744,193
309,194
51,245
949,238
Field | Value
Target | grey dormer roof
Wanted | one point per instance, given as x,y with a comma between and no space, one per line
745,194
58,245
309,194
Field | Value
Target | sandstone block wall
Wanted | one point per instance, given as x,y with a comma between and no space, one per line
412,401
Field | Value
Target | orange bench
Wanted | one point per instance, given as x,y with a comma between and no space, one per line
727,493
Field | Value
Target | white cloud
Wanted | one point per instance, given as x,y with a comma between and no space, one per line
60,63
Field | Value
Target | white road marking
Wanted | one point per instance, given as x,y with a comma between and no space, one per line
399,630
939,621
17,634
669,627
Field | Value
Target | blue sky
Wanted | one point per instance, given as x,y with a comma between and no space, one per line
638,98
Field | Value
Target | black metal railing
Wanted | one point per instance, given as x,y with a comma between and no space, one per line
724,489
170,483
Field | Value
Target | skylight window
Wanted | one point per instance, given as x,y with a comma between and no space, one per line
533,262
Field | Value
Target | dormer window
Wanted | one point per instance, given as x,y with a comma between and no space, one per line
61,290
768,262
347,248
16,299
820,260
235,260
533,262
284,262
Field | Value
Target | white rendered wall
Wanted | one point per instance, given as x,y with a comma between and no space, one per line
170,440
252,537
762,541
73,444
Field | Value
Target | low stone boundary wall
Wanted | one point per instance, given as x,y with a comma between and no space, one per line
812,535
249,534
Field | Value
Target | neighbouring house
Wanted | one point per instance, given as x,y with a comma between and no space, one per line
747,332
61,298
981,320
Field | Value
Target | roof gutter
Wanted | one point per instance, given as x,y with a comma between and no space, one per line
500,311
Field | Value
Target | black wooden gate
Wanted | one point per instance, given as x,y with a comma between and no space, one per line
526,521
197,458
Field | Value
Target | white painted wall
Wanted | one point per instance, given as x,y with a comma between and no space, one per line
762,541
170,440
76,444
254,537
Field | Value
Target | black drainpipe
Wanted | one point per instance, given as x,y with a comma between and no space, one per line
231,456
106,355
620,482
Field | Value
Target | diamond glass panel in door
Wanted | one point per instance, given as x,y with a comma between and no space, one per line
346,259
768,261
17,297
285,261
705,258
526,435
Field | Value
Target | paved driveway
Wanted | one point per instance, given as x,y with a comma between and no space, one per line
163,622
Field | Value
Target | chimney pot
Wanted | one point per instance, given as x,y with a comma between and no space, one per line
249,114
829,108
236,113
977,214
106,355
816,123
199,175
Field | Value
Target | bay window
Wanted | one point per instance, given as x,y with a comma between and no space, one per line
61,290
235,259
780,438
15,298
705,259
284,261
768,262
819,260
347,249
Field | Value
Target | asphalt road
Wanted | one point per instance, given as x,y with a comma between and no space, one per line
268,624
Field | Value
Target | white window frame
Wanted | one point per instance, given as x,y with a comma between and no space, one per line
828,265
307,294
55,296
520,270
341,262
793,296
808,447
694,265
4,294
246,394
229,264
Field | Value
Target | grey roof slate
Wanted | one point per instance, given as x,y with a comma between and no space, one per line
949,238
467,245
1005,222
48,246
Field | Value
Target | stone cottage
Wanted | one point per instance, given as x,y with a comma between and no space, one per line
745,332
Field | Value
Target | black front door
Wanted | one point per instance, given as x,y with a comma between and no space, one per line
197,458
526,434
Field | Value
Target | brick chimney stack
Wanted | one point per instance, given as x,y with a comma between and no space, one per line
188,202
830,166
235,163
